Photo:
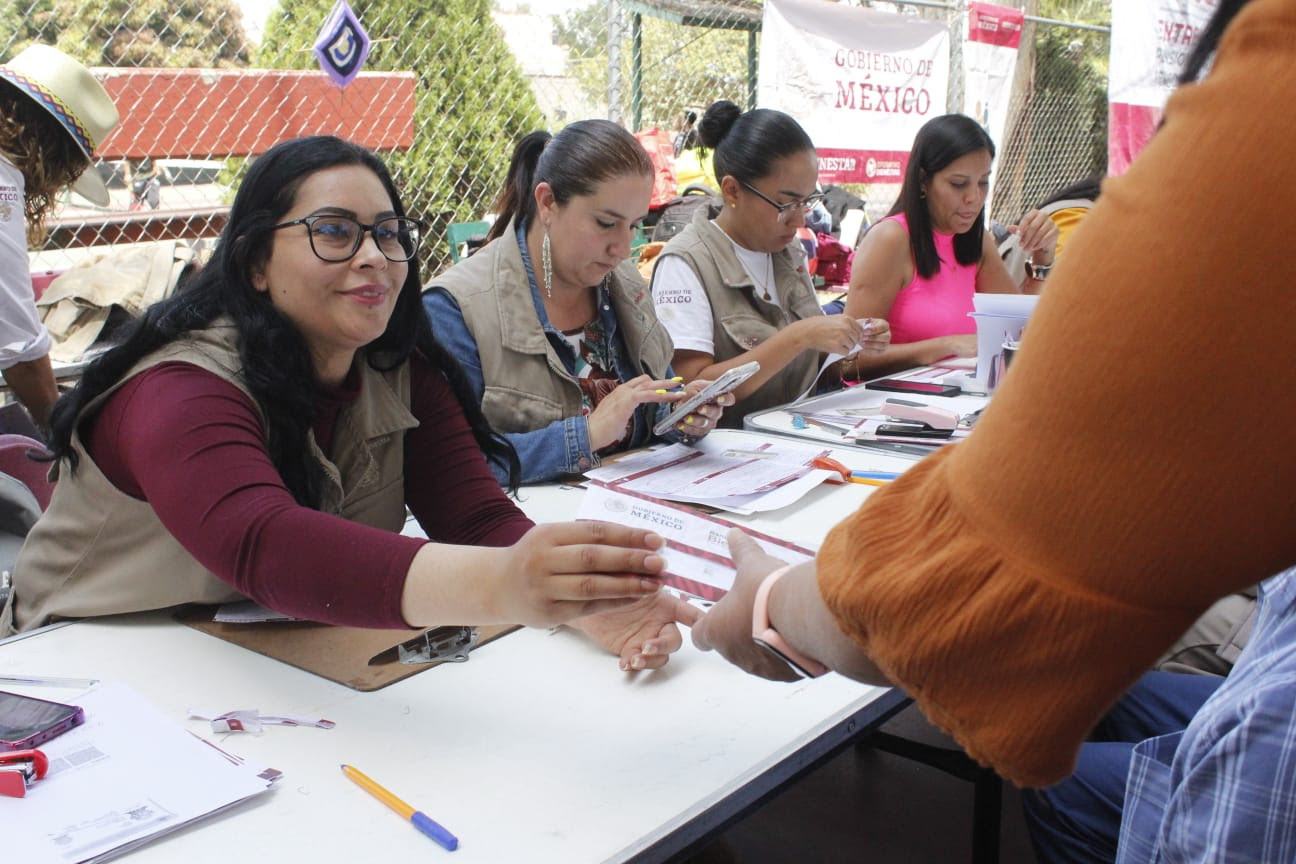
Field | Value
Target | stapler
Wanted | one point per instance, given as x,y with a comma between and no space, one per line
19,769
937,419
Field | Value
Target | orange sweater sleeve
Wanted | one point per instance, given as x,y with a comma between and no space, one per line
1138,461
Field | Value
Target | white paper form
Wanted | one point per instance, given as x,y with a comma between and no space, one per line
769,476
127,775
696,550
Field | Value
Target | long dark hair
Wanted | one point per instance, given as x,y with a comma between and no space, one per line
1208,41
746,144
277,364
939,142
573,162
1087,189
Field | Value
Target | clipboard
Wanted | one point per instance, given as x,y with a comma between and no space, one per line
341,654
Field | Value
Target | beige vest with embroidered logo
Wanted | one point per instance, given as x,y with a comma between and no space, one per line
527,385
98,551
740,319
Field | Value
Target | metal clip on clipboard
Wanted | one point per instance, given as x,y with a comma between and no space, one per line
449,644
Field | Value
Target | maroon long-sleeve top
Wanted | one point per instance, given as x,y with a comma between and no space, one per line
191,445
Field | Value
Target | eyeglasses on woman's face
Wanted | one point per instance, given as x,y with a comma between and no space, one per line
786,211
338,238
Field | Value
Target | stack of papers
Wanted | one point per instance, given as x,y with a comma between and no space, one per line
127,775
770,475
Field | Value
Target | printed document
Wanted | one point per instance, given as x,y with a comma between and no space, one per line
765,476
127,775
696,550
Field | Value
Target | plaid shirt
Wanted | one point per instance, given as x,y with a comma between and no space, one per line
1225,788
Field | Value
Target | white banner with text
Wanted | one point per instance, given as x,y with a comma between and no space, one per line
860,82
1150,40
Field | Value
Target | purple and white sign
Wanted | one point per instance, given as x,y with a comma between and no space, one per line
342,45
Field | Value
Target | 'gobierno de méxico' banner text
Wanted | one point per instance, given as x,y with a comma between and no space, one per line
860,82
1150,40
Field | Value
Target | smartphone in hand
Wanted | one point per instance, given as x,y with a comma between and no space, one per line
717,388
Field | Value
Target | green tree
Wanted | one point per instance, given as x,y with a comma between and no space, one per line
682,66
193,33
472,102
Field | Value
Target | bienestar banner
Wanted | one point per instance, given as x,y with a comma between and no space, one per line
989,60
1150,40
860,82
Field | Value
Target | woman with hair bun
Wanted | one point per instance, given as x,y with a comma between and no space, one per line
736,288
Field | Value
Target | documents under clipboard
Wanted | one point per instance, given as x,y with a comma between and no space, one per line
696,550
358,657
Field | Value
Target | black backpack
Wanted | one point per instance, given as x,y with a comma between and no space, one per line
678,212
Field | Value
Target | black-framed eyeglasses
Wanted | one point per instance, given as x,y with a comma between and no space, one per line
801,205
338,238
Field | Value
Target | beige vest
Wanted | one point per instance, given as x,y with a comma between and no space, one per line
741,320
527,387
98,551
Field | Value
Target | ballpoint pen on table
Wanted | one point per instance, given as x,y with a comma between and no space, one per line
420,819
48,681
869,481
840,430
876,475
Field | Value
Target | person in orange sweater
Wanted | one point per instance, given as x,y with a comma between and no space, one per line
1135,465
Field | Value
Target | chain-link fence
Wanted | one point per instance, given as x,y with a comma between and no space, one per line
450,85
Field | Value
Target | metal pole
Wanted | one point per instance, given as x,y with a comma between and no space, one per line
614,61
636,69
958,23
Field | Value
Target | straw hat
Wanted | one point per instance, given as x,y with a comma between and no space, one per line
74,98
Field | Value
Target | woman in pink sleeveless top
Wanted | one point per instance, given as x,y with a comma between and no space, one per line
920,266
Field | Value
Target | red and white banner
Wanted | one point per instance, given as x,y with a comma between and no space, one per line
1149,43
989,60
860,82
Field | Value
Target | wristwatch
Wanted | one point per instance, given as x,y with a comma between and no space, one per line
1037,271
768,638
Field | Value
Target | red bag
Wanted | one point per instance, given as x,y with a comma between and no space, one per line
835,259
662,153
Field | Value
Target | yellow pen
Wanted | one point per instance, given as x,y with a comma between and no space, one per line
869,481
420,819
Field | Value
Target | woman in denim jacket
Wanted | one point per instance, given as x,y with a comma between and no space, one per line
550,320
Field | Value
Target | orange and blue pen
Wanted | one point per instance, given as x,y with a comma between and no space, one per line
420,820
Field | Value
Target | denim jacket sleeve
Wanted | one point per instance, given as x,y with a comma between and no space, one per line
560,448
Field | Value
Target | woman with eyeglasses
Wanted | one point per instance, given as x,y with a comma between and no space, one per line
735,288
550,320
260,433
920,266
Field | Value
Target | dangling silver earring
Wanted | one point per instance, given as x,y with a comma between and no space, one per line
546,262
